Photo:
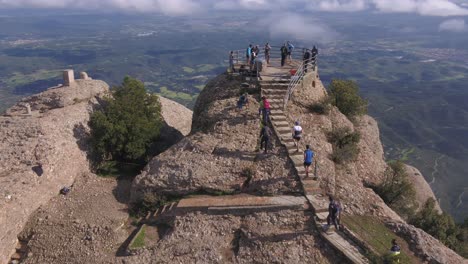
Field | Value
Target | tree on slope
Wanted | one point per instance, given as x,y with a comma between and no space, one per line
344,94
127,125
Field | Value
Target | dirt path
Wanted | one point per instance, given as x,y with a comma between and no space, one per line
85,226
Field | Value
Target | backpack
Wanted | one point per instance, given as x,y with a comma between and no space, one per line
335,207
266,132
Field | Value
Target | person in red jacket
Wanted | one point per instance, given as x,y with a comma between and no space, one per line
264,109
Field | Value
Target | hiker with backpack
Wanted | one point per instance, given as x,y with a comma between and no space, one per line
264,109
308,159
284,53
265,135
297,134
334,210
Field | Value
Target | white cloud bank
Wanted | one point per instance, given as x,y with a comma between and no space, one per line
186,7
454,25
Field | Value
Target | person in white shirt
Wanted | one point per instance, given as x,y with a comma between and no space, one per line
297,134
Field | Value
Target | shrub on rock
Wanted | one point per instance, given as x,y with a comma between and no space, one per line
127,125
344,94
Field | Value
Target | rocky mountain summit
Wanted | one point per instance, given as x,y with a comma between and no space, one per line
219,156
44,147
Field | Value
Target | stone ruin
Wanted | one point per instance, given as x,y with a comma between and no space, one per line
69,77
84,76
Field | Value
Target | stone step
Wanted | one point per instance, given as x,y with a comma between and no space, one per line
276,80
313,190
276,106
272,91
278,86
280,123
275,96
282,130
319,202
277,112
349,250
322,216
239,200
278,118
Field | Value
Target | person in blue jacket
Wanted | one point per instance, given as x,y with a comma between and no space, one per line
248,53
290,50
308,158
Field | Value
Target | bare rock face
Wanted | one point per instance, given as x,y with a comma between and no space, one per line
42,152
220,154
422,188
176,115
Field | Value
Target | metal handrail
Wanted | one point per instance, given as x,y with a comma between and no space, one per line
298,77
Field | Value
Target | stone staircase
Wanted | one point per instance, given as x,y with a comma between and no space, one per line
275,91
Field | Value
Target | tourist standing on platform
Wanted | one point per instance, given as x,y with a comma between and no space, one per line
308,159
284,53
314,56
297,134
256,49
267,53
248,54
265,135
253,56
231,61
306,59
334,209
264,109
290,50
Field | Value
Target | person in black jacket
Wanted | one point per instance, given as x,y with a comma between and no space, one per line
306,59
284,54
265,135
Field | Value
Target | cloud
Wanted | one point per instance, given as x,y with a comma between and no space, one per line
293,26
338,5
187,7
422,7
168,7
454,25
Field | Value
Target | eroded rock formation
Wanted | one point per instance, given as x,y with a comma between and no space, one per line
42,152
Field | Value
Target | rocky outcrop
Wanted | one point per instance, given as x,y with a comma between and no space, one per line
42,152
220,154
422,188
176,115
